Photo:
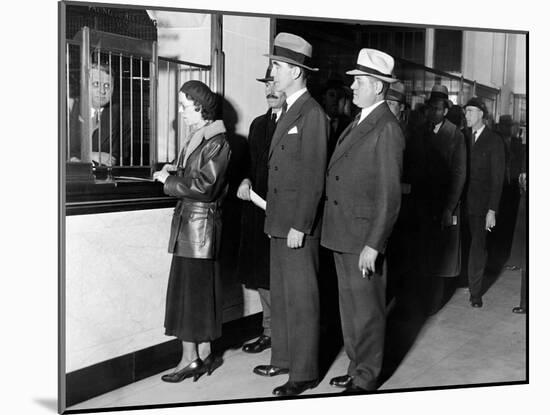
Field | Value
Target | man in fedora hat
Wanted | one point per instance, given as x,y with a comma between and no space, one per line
400,250
483,190
395,98
439,197
363,195
296,177
253,266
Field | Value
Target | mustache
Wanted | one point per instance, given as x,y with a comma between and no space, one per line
273,96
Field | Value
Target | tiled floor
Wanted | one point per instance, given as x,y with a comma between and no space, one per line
459,345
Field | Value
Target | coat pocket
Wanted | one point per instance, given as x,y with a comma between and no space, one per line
194,226
362,211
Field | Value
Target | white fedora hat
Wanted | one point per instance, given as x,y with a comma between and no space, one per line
292,49
374,63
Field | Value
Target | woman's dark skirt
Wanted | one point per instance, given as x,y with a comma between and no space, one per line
194,300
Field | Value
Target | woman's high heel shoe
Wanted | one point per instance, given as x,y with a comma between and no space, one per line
195,369
211,363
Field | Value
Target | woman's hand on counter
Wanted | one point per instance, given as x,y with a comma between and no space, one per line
161,175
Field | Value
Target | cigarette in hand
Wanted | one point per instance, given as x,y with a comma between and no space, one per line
363,273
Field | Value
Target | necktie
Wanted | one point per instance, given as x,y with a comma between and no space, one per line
474,137
353,125
95,118
334,124
274,118
283,111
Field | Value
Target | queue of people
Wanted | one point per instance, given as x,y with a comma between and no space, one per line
385,197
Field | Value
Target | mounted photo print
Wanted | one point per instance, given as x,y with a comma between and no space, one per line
256,208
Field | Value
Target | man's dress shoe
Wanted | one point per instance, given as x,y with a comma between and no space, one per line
269,370
292,388
519,310
262,343
477,303
341,381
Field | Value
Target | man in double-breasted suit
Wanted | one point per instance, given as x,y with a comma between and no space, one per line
484,187
363,195
296,177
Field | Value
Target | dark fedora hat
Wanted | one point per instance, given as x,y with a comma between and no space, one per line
292,49
267,77
478,103
396,92
505,119
440,92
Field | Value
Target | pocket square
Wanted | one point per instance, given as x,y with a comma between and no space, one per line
293,130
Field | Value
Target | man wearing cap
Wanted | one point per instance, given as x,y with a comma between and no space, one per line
439,196
483,190
296,173
363,195
253,266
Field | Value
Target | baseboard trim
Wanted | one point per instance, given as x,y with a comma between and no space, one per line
95,380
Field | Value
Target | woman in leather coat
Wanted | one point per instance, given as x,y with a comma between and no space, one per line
193,303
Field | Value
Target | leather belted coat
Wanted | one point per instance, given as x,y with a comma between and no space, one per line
200,186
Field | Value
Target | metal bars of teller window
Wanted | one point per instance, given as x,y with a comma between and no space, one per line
176,73
110,63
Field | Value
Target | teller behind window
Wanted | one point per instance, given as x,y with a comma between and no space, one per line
193,300
104,120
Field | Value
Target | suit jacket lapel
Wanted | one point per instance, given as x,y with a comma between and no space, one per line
357,133
481,137
288,120
268,133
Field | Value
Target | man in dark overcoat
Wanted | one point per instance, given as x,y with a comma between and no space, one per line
483,190
363,195
296,178
400,246
439,197
253,266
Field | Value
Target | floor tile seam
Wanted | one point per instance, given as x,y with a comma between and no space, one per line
467,332
454,349
489,356
498,362
406,383
448,324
